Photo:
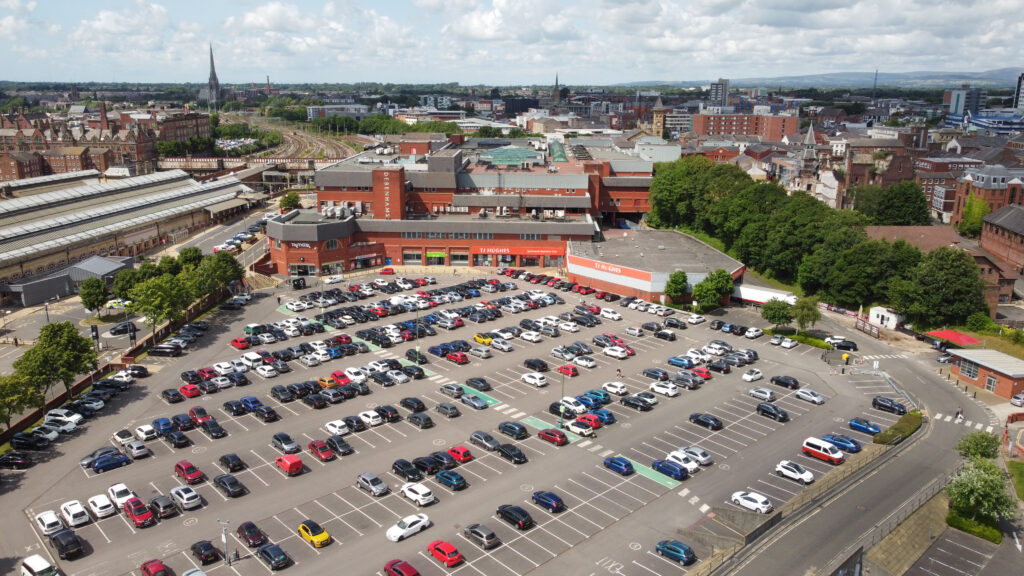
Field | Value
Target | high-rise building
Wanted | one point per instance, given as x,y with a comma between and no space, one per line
719,95
1018,95
964,100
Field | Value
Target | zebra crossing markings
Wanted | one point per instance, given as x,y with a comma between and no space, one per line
967,423
884,356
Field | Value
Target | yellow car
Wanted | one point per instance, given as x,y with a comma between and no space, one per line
312,532
326,382
483,339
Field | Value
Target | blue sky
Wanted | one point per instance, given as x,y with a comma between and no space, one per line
498,42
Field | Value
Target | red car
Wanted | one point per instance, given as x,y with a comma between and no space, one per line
591,419
153,568
556,437
552,282
137,511
593,308
493,281
378,312
618,341
461,454
568,370
576,288
353,287
629,350
587,290
340,378
387,271
702,372
343,339
458,357
319,449
459,322
206,373
189,390
400,568
445,553
188,472
420,282
240,343
600,294
198,415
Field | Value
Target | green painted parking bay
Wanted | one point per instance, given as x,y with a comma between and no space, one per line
539,424
490,401
652,474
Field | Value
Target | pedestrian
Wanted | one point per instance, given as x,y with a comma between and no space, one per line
279,299
618,372
959,414
15,341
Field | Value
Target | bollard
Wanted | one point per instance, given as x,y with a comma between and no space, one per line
843,370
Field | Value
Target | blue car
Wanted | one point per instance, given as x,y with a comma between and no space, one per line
110,462
162,426
250,403
182,422
681,362
844,443
727,327
670,469
451,479
589,401
601,396
431,318
549,500
864,425
437,351
473,292
335,352
676,550
606,417
619,464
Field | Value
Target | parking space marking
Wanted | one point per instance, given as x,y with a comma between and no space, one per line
360,510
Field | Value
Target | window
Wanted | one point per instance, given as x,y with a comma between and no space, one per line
968,369
277,243
332,244
435,235
459,236
412,258
529,236
990,383
482,236
459,259
412,234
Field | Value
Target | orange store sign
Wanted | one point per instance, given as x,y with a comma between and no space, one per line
516,251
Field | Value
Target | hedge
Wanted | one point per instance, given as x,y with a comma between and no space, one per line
981,528
898,432
802,338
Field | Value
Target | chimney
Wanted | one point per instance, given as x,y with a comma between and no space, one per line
103,116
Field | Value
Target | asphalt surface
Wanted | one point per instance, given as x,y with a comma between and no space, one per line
612,522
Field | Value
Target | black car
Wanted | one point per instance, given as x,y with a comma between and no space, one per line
266,414
655,374
171,350
786,381
172,396
281,394
339,445
162,506
715,324
651,326
706,420
414,372
426,465
420,420
888,405
720,366
536,364
675,323
298,390
416,356
177,439
238,378
235,408
388,413
354,423
382,378
772,411
23,441
480,384
513,429
232,462
738,330
122,328
665,335
515,516
407,470
512,453
251,534
230,485
191,377
66,543
204,552
555,408
444,460
414,404
15,460
213,429
271,554
315,401
847,345
635,403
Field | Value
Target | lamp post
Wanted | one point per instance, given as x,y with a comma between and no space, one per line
46,309
561,405
6,314
224,539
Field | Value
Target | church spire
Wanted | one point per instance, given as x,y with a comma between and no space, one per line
558,93
213,86
213,70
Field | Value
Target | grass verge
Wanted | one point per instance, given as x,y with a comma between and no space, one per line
986,529
800,337
1017,475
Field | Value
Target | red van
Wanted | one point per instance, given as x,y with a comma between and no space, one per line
290,464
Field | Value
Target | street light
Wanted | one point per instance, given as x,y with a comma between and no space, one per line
224,540
6,314
561,405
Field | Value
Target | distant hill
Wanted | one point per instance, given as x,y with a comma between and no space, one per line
1000,78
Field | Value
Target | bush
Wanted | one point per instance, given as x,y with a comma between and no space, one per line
901,430
986,529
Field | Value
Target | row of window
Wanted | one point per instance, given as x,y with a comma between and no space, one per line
451,235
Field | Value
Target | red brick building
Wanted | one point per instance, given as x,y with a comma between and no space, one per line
767,127
20,165
996,185
938,177
1002,235
999,373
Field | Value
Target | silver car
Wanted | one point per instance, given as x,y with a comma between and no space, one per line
453,390
137,449
372,483
699,454
186,498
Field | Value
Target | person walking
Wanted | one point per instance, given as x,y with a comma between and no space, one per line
618,372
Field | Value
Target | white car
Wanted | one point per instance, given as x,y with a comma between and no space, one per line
418,493
407,527
610,314
337,427
378,366
124,376
74,513
186,497
324,355
122,437
616,352
267,338
665,388
334,279
370,418
64,425
752,374
398,376
789,343
579,428
569,327
810,396
695,319
505,334
145,432
698,355
531,336
752,501
356,375
49,523
501,344
101,506
575,404
776,339
833,340
223,368
119,494
584,361
47,432
535,379
763,394
635,331
239,366
754,333
266,371
684,460
615,388
699,454
794,471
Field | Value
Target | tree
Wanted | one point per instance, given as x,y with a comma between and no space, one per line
190,256
979,444
225,268
903,204
563,93
778,312
93,293
59,355
806,312
168,265
17,394
866,199
980,491
290,201
676,288
160,299
495,93
949,288
975,209
710,291
124,281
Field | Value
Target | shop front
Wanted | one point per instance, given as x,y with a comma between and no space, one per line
517,256
436,257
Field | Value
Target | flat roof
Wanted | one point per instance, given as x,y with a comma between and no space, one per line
655,251
993,360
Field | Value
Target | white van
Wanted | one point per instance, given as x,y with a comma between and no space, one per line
252,360
822,450
36,565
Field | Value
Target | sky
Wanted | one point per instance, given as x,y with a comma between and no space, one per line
499,42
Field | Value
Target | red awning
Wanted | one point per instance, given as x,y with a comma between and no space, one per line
954,337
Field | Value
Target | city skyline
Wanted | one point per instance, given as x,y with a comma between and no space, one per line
497,42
